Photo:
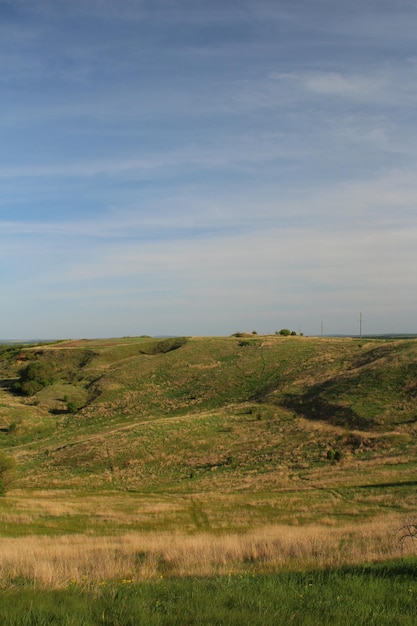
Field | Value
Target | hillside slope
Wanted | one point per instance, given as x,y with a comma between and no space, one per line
189,415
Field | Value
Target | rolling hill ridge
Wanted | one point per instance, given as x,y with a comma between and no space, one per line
201,414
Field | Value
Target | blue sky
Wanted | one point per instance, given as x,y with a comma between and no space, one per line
202,167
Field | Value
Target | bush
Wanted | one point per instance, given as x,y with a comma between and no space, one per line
72,406
34,377
284,332
333,455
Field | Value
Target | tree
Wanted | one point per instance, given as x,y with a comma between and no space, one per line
7,465
284,332
35,377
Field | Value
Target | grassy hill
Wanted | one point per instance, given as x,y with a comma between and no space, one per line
209,434
143,413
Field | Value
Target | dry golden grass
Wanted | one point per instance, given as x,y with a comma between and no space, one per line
61,561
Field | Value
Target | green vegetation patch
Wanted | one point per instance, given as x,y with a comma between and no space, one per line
379,595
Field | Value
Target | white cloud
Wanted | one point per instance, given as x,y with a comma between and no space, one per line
382,85
334,83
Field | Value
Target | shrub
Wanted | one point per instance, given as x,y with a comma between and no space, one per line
284,332
34,377
72,406
333,455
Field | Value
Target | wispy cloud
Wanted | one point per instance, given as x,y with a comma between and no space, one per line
391,83
379,203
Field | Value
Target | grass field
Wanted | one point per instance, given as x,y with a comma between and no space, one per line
382,595
230,463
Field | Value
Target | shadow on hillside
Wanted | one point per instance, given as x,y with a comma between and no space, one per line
162,347
313,405
373,355
401,483
7,383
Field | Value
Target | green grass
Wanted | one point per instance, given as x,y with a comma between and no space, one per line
379,595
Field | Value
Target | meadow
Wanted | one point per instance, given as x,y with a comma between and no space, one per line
375,595
244,479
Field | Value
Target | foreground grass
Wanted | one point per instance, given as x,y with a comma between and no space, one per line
376,594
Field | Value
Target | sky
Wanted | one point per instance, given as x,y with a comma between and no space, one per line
203,167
